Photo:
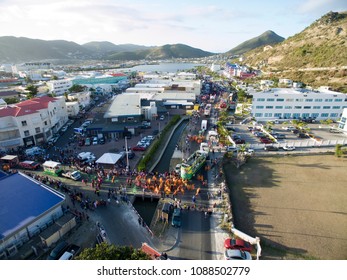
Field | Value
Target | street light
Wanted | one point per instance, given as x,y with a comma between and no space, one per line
126,153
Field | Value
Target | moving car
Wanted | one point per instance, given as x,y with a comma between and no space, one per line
235,254
231,243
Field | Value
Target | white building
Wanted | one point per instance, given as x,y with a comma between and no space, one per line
83,98
59,87
343,121
72,108
31,122
290,103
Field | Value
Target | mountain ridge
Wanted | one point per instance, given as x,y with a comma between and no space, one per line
269,37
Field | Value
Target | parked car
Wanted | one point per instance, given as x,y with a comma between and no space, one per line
162,117
95,141
270,148
58,250
265,140
303,135
288,127
280,136
240,141
28,164
231,243
288,148
235,254
87,142
139,148
178,168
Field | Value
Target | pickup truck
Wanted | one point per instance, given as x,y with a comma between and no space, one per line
74,175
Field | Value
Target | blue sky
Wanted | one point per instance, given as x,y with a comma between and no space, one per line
215,26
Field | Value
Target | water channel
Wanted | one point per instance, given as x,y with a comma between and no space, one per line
146,207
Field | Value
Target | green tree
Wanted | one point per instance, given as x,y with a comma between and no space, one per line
76,88
106,251
338,150
32,91
11,100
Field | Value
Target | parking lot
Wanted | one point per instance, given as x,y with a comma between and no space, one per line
321,136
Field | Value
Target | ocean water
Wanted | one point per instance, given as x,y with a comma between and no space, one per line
163,67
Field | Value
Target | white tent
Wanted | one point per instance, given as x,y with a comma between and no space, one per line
109,158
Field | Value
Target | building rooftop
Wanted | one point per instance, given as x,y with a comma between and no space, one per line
26,107
22,200
124,105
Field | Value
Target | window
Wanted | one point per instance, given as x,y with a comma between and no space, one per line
333,115
260,99
268,115
24,123
296,115
26,133
288,107
278,115
324,115
338,100
37,130
258,115
45,122
270,99
305,115
279,107
318,100
280,99
287,115
259,107
269,107
316,107
326,107
315,115
308,100
289,99
299,100
130,119
336,107
297,107
328,100
307,107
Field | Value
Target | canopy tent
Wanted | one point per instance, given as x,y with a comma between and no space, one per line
109,158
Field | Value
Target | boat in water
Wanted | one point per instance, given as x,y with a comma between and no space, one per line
193,164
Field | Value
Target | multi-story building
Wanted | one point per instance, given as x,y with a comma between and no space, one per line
59,87
294,103
343,121
31,122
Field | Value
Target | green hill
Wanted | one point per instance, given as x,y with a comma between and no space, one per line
105,47
315,56
14,49
267,38
163,52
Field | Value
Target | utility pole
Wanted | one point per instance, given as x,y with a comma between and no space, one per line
126,153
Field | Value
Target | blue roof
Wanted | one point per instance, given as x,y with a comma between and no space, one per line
22,200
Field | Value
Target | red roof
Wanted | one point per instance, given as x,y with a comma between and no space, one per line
27,107
117,74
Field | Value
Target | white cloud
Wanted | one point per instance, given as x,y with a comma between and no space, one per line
318,5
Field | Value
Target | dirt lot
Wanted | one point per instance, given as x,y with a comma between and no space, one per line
297,205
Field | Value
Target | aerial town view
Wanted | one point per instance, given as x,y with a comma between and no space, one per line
170,152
